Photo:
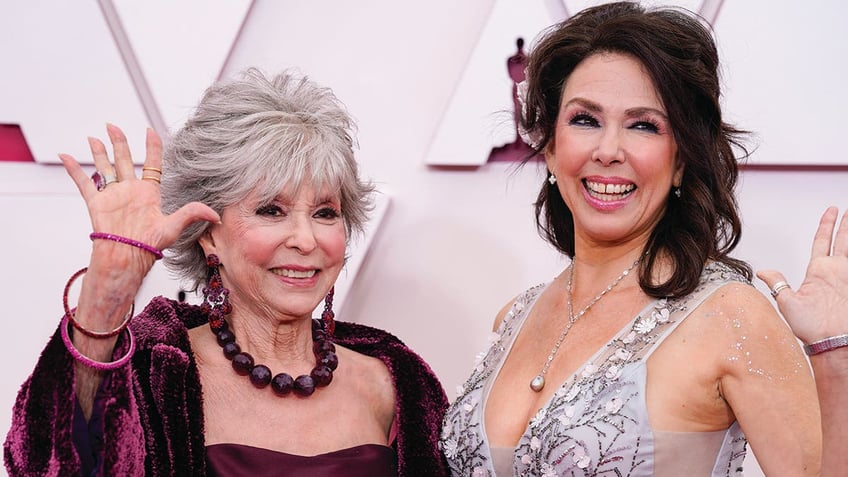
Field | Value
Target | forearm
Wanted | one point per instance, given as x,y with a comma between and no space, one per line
109,287
831,372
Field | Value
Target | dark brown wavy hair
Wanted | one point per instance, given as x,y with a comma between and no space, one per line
678,52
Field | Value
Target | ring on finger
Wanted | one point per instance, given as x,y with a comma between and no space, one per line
147,177
101,180
151,169
778,287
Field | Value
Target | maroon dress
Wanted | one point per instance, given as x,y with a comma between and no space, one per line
236,460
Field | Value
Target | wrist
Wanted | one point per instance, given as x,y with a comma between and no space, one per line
824,345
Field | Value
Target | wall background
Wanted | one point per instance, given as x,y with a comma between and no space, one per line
450,246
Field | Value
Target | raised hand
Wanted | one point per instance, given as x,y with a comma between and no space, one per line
128,206
818,308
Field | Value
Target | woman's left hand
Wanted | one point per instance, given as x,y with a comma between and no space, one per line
818,309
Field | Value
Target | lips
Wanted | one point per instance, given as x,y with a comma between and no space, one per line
608,192
289,273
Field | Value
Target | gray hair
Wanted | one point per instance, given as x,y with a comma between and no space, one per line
259,135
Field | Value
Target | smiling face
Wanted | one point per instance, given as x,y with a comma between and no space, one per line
279,259
613,153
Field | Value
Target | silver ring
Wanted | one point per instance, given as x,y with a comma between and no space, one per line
103,180
777,287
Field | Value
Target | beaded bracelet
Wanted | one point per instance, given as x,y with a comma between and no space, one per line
128,241
98,365
827,344
70,313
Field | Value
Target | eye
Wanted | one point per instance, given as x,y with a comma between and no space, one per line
327,213
270,210
646,125
583,119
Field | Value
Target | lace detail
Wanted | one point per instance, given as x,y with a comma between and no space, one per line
596,423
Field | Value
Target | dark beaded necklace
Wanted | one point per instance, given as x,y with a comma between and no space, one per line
321,375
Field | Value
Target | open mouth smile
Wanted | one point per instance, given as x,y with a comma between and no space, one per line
608,192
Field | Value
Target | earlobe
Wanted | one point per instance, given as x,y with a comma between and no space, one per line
549,155
677,180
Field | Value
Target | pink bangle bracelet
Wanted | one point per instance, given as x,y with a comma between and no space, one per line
128,241
70,313
98,365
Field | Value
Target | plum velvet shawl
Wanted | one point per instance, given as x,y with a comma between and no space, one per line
153,411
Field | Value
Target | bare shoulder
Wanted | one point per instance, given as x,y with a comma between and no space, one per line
751,335
366,375
737,303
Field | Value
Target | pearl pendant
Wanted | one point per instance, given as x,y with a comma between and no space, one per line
538,383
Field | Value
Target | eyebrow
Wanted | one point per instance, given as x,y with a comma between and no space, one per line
317,200
632,112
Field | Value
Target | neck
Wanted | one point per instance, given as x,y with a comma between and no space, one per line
287,343
602,264
590,281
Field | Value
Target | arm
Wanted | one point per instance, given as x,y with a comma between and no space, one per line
40,436
130,208
818,309
766,381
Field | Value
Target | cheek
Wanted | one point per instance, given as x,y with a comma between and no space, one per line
256,244
571,151
333,242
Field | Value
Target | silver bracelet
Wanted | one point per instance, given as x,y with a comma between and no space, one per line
826,344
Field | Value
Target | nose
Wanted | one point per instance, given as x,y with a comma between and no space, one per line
609,150
300,235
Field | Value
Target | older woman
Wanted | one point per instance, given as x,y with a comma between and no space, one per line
651,354
259,196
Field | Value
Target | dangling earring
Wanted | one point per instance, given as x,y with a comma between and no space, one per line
328,315
552,179
677,192
216,301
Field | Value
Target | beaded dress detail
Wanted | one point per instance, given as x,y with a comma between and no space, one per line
596,423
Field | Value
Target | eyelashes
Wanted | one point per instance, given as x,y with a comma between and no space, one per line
583,119
641,123
270,210
274,210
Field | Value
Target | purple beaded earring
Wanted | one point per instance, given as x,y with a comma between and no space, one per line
216,301
328,314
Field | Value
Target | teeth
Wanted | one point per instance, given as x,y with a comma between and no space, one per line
603,191
294,273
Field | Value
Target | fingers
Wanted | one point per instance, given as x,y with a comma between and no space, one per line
83,182
776,283
154,149
824,234
190,213
100,156
152,169
121,150
840,245
124,167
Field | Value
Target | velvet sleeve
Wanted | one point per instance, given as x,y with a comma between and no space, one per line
421,406
421,400
40,441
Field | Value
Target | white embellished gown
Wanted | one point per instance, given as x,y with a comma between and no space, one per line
596,423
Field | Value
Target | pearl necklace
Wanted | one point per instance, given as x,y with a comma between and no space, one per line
538,382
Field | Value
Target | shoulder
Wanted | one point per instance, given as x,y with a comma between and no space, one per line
165,321
406,367
373,342
517,303
736,300
742,326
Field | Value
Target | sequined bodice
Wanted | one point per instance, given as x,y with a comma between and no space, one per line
596,423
